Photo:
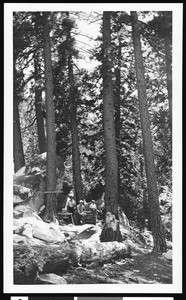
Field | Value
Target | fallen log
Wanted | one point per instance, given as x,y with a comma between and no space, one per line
102,252
31,261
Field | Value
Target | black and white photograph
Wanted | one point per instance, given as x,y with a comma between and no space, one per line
93,169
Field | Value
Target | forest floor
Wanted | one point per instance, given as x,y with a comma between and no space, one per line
143,267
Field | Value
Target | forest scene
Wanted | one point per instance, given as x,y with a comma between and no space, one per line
92,147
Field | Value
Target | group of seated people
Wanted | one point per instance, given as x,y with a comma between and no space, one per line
80,210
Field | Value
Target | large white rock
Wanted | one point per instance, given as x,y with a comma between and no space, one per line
25,240
48,232
32,227
168,255
24,211
18,239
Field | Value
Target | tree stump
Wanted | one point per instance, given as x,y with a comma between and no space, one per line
111,231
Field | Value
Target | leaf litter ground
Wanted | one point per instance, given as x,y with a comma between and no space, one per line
143,267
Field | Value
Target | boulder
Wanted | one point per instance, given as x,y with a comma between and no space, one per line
30,182
20,192
90,233
23,210
26,240
48,232
32,227
168,255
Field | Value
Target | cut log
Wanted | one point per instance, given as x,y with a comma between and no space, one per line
29,262
102,252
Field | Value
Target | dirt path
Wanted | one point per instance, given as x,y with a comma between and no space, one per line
142,268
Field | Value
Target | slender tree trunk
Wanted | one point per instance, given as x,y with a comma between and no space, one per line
168,57
19,160
38,106
38,88
156,223
73,94
78,187
146,210
51,202
117,110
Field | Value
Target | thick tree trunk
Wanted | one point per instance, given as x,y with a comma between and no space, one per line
111,174
19,160
38,106
111,168
78,187
50,125
156,223
29,261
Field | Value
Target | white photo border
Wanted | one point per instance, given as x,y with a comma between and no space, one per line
176,286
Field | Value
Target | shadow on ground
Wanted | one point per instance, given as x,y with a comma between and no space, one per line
142,268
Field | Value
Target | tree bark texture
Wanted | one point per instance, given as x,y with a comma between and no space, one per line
29,261
117,109
111,169
156,223
38,90
117,100
50,124
78,187
38,106
19,160
168,57
146,210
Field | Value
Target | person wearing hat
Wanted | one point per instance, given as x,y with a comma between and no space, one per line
80,212
93,206
70,205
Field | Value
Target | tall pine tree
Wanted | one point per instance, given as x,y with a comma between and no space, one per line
156,223
111,167
50,125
